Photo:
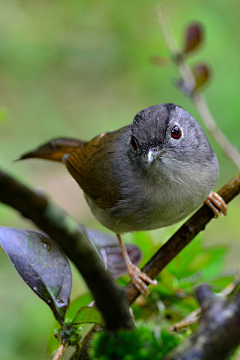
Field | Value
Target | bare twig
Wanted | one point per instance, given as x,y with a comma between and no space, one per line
189,85
230,288
218,333
194,316
60,351
183,236
191,319
175,51
74,241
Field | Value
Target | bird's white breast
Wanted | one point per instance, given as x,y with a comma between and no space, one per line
155,203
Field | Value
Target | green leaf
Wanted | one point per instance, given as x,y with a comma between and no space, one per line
42,265
77,304
88,315
217,256
73,308
179,266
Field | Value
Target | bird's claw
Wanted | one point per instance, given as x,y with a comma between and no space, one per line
216,203
139,279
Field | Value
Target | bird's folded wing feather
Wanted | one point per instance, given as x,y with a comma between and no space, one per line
91,165
54,150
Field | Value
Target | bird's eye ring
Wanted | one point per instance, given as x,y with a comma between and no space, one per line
176,132
133,143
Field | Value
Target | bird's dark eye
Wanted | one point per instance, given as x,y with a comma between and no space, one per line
133,143
176,132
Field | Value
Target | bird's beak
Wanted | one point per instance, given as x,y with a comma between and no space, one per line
153,153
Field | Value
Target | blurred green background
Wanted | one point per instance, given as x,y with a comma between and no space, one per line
77,68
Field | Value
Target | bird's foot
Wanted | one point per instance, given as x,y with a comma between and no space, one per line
216,203
139,279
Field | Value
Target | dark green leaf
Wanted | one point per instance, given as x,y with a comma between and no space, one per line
41,264
70,315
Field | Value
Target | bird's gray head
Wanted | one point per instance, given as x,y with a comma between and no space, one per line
168,136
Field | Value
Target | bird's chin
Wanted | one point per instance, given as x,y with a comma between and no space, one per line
166,167
154,167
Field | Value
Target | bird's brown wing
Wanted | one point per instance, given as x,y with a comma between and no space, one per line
92,167
90,164
54,150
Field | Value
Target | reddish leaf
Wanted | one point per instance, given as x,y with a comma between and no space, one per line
193,37
201,74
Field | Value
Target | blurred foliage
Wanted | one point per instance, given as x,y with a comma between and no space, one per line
173,298
137,344
82,67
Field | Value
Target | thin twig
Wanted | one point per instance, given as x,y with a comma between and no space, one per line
230,288
230,151
218,333
60,351
194,316
175,51
189,85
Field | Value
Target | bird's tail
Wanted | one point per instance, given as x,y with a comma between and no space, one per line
54,150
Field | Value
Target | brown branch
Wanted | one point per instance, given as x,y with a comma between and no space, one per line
218,334
183,236
73,239
189,85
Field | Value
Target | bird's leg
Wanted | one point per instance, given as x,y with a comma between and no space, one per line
216,203
138,277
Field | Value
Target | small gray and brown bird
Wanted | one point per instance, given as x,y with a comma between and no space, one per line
149,174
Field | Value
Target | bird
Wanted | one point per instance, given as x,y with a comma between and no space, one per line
150,174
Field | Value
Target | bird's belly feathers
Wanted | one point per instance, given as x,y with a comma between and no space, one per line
150,211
